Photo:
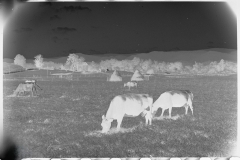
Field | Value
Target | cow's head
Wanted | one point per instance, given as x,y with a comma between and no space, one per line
106,124
154,110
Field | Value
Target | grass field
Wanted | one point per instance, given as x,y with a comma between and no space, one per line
65,120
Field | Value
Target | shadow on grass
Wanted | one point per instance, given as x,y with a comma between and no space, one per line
167,117
112,131
176,117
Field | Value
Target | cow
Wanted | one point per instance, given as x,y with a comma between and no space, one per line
27,86
129,105
130,84
22,88
174,98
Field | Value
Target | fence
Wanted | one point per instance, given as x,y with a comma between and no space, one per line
71,77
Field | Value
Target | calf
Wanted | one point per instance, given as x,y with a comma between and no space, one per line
130,84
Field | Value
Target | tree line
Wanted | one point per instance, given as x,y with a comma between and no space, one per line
75,63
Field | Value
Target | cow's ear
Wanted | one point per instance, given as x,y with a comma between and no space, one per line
103,117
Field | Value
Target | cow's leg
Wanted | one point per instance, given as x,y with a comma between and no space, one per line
186,109
162,112
170,112
32,91
147,119
19,93
35,90
191,107
119,122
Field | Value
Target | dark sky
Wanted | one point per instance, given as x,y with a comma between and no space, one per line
59,28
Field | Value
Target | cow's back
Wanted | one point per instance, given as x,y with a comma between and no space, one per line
179,97
127,104
164,101
115,108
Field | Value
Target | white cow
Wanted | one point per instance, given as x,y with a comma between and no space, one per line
130,84
175,98
130,105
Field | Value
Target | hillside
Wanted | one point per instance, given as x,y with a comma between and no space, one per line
187,57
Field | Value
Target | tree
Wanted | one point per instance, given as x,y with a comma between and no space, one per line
20,60
126,65
176,66
72,61
75,62
197,68
136,61
107,64
81,65
221,66
230,67
29,66
146,64
162,67
93,67
38,61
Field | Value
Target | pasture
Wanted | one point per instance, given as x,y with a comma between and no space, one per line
65,119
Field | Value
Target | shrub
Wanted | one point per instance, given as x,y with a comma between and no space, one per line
11,68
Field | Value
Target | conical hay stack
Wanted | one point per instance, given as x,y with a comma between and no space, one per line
137,76
115,77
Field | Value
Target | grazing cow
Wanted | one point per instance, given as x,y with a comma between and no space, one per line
130,84
175,98
22,88
129,105
27,86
